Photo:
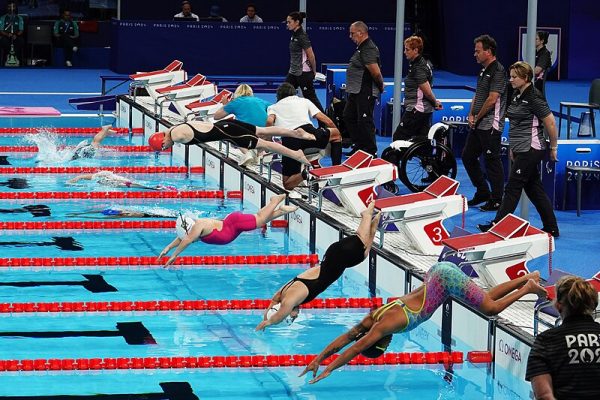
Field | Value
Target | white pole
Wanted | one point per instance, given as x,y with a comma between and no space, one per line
302,7
530,59
118,9
398,58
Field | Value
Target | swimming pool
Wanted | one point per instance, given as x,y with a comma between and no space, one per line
201,333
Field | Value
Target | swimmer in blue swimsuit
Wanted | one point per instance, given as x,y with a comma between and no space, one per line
373,334
346,253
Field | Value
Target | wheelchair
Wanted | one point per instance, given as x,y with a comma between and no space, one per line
420,160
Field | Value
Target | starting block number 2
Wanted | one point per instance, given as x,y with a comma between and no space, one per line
436,232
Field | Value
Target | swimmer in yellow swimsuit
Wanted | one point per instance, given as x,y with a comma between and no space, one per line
374,333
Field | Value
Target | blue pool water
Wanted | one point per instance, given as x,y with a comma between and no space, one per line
191,333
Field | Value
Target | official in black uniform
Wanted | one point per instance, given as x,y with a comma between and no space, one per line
543,61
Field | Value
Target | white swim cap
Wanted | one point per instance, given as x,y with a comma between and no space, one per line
273,310
183,225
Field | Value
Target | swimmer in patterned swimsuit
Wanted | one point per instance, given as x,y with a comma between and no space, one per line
241,134
214,231
108,178
88,150
374,333
346,253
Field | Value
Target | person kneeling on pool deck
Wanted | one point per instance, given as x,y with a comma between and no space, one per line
108,178
239,133
214,231
346,253
88,150
374,333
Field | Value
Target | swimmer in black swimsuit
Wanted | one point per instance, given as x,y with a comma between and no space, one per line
88,150
241,134
36,210
16,183
346,253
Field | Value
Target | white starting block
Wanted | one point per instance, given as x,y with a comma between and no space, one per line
354,181
420,216
183,94
170,75
207,107
501,254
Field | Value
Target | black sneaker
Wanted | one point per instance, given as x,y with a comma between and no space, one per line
485,227
553,231
478,199
490,205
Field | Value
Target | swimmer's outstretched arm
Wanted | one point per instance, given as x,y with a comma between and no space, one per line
182,244
80,177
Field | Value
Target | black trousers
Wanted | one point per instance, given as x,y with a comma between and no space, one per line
525,175
67,43
413,123
488,143
358,116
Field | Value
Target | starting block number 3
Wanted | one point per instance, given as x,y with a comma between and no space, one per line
436,232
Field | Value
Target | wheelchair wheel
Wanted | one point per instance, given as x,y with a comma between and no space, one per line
423,163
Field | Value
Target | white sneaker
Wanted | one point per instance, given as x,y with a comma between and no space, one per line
75,48
68,63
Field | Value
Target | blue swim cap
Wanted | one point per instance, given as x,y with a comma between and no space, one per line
111,211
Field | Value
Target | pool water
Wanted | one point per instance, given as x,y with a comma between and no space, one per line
189,333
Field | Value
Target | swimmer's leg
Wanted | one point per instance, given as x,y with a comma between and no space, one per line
297,155
368,226
270,131
505,288
272,211
490,306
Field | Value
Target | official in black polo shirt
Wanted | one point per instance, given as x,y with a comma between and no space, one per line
543,61
419,100
364,83
531,125
303,64
564,362
486,120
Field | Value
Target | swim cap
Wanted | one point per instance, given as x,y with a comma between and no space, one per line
273,310
155,141
378,348
183,225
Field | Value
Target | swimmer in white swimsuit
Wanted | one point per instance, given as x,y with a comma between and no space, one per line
107,178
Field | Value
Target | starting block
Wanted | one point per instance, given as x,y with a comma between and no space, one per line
501,254
546,306
151,81
354,181
207,107
420,216
183,94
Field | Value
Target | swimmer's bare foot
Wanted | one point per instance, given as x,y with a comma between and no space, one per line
533,287
278,198
300,157
287,209
302,134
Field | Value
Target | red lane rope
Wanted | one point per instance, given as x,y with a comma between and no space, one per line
66,225
151,260
282,360
67,131
158,194
179,305
122,149
90,170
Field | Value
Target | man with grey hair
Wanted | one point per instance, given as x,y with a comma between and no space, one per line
364,83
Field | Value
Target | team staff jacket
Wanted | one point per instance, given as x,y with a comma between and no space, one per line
570,353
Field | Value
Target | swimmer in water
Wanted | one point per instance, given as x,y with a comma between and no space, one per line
214,231
88,150
116,213
111,179
373,334
346,253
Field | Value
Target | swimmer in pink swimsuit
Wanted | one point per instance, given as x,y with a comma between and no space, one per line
213,231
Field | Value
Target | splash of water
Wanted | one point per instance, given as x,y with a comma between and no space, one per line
51,149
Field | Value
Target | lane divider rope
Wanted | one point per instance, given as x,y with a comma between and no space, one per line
122,149
16,262
67,131
157,194
179,305
261,361
91,170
